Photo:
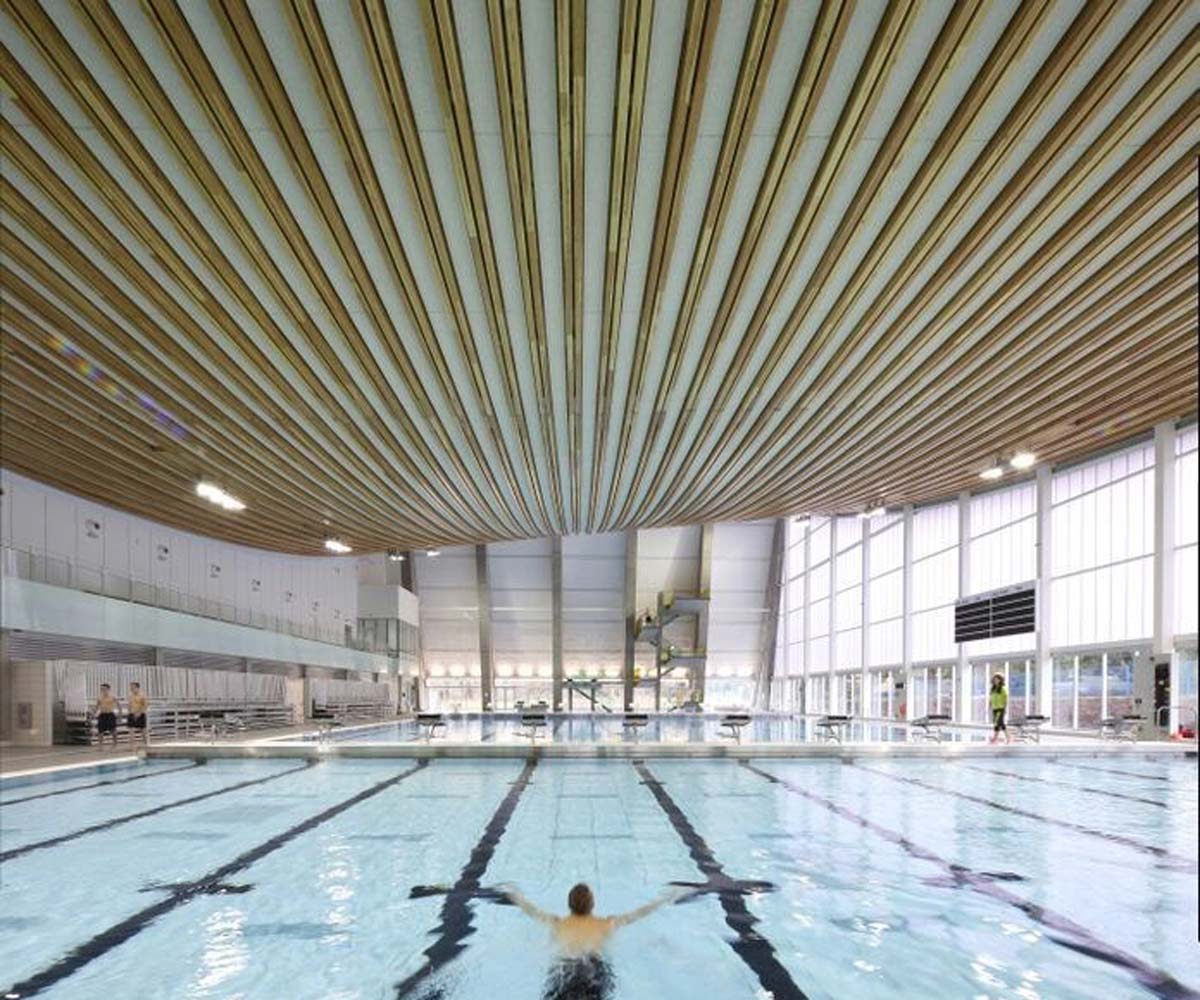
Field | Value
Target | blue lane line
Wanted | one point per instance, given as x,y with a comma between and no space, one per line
456,923
1063,930
184,892
39,845
1064,784
97,784
749,945
1163,855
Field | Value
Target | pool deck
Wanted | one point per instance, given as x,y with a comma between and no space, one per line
300,742
651,750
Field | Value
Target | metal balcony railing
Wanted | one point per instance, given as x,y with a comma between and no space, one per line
38,567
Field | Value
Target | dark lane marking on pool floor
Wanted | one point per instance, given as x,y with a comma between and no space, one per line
750,946
1109,770
456,923
1062,930
1063,784
98,784
183,892
1164,856
39,845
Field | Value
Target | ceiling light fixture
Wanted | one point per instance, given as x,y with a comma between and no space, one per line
1023,460
214,494
877,511
433,553
336,545
992,472
395,555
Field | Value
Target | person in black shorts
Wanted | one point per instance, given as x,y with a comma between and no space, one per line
138,703
106,709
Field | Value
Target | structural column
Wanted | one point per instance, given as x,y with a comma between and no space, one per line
484,603
806,617
556,624
766,670
1144,687
964,590
831,675
1044,592
906,608
704,587
865,608
631,549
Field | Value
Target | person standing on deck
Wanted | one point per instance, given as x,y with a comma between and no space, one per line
139,704
106,710
998,701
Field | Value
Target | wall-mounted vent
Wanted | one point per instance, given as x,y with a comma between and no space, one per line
1009,611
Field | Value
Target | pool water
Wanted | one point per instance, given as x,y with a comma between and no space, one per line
349,878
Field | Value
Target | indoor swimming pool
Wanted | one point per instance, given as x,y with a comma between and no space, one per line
601,728
351,878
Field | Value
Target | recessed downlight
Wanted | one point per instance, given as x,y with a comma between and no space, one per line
1023,460
214,494
337,545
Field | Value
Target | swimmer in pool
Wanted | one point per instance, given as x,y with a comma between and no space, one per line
581,972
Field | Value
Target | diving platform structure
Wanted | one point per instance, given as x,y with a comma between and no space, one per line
673,606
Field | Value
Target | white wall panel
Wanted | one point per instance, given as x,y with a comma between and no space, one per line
123,556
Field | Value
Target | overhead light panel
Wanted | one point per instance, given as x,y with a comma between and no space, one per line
992,472
395,555
335,545
433,553
878,511
214,494
1023,460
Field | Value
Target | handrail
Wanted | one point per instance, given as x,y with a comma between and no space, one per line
1158,714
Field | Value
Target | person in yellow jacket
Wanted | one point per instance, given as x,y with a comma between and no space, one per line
998,701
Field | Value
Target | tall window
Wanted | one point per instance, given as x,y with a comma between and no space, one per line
1091,687
934,582
1187,513
1003,538
820,548
848,597
1102,530
885,593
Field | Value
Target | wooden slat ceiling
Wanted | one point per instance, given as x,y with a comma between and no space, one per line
425,272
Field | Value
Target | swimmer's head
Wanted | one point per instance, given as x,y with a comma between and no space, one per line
580,900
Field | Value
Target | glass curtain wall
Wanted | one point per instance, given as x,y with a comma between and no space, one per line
1020,678
843,604
820,572
1092,686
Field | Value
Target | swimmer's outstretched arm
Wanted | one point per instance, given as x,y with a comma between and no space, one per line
670,895
526,906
